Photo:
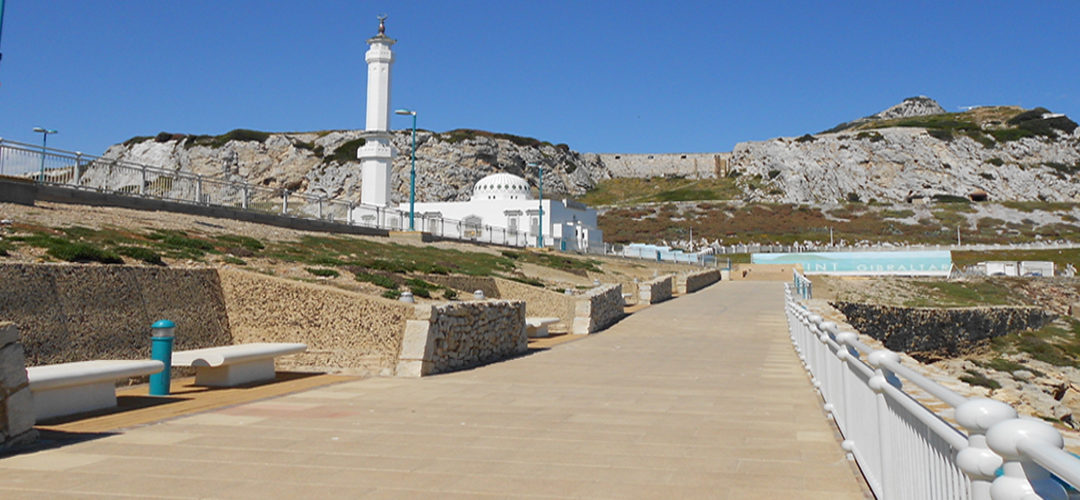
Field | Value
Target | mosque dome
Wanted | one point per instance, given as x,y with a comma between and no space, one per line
501,186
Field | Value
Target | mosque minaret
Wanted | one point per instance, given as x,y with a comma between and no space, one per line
376,155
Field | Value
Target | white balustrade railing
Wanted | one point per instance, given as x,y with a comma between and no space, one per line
907,451
76,170
803,286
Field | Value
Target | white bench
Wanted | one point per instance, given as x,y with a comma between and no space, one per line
537,327
234,365
69,388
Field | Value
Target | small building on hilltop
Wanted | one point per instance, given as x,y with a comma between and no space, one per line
504,201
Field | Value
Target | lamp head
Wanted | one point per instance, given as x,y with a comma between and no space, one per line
44,130
404,112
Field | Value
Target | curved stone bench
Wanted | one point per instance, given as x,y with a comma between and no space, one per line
536,327
69,388
233,365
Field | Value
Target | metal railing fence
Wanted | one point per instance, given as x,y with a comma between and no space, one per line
57,167
907,451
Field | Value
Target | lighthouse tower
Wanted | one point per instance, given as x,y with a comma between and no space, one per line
376,155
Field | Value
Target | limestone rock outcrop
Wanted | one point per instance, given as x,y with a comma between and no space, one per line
324,163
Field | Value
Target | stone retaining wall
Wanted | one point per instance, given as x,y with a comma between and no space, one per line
457,335
939,332
539,301
343,330
16,403
655,290
694,281
83,312
598,309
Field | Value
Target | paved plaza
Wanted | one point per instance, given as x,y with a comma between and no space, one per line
698,397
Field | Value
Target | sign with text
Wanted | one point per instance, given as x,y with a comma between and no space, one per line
895,263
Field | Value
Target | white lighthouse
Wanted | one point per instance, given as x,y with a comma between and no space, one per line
377,155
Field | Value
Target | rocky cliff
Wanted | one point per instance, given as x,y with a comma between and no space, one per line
908,151
447,164
914,150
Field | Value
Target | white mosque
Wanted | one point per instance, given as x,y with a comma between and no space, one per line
501,203
504,200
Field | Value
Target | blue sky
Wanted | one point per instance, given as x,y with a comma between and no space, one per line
601,76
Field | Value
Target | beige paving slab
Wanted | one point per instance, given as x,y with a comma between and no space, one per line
697,397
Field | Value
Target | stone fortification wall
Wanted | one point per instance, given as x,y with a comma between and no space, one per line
80,312
343,330
694,281
457,335
655,290
939,332
16,403
598,309
696,165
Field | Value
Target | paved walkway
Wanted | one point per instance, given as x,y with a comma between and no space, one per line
699,397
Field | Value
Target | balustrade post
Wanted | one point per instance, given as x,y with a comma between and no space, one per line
142,185
846,354
812,344
877,383
244,201
284,202
1023,478
198,189
348,214
78,168
320,208
978,462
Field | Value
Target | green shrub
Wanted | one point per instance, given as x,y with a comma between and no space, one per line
418,291
853,197
997,162
940,134
1010,134
347,151
773,174
180,239
527,281
1031,114
141,253
83,252
449,294
229,259
1004,365
376,279
975,378
987,176
872,136
391,294
325,273
978,136
806,138
243,241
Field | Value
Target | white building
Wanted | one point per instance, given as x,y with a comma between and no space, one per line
503,202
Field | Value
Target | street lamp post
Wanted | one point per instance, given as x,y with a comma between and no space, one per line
44,139
540,188
412,171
